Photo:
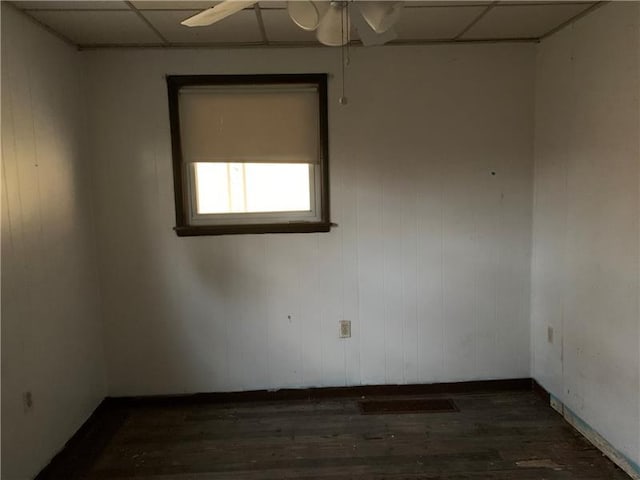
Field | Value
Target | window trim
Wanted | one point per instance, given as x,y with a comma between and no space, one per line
180,177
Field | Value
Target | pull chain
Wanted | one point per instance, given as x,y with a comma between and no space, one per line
344,52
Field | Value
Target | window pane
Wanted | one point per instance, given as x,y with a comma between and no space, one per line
252,187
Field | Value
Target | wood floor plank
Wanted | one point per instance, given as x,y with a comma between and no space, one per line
493,436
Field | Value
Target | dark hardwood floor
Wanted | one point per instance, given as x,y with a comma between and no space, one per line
500,435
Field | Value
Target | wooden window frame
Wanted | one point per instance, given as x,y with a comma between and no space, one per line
181,182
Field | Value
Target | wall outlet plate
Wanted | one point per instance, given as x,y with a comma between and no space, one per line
345,328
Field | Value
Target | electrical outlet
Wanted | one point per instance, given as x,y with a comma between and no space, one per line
550,334
27,401
345,328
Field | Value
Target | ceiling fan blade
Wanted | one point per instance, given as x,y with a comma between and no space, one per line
217,13
367,34
380,15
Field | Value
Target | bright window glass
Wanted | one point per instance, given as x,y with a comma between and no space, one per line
225,188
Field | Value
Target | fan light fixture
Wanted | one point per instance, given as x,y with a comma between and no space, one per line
330,19
334,26
304,14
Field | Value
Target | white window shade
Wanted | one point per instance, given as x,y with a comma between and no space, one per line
274,124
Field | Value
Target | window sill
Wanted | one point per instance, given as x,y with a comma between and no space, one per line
200,230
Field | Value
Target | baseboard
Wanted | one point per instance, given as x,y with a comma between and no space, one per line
617,457
329,392
540,391
626,464
82,449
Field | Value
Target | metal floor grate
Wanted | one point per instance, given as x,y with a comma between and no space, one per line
420,405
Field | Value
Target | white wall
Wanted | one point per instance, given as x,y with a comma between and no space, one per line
431,261
51,332
586,237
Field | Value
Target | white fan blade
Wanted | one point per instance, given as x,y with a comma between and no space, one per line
381,15
217,13
367,35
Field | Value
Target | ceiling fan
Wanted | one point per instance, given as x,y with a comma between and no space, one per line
331,20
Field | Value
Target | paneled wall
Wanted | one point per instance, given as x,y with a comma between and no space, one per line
431,185
585,289
431,165
51,329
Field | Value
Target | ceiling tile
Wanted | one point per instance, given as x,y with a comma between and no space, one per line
280,28
241,27
523,21
96,5
435,23
440,22
173,4
86,27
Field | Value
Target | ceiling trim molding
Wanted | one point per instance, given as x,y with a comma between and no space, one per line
227,46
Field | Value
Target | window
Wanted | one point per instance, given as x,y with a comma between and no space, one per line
249,153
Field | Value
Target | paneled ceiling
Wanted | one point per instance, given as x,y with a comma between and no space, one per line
146,23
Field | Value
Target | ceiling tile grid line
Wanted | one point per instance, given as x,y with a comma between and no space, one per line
46,27
70,5
263,31
434,24
241,27
140,23
587,11
147,22
507,21
476,20
98,27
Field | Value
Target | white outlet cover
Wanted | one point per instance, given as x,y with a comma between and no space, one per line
345,328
